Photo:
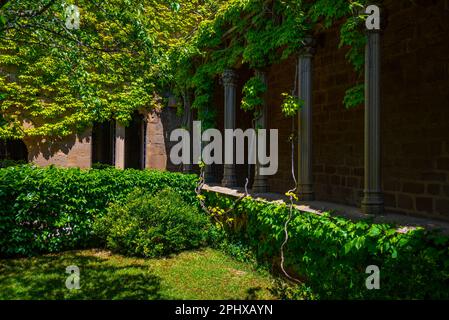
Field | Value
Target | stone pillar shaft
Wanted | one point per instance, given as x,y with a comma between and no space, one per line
372,202
229,79
119,146
305,181
187,122
260,184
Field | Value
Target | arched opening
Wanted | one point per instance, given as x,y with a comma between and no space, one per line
14,150
135,143
103,143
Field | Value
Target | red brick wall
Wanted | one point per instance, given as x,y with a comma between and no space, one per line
415,120
415,115
281,78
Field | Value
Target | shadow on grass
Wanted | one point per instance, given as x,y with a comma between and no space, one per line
101,277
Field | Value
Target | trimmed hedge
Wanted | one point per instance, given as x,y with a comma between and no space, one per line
331,254
51,209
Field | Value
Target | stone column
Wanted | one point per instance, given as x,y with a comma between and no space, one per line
229,79
209,175
372,202
305,179
119,146
144,140
260,184
187,122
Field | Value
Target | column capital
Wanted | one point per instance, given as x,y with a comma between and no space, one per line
229,77
308,49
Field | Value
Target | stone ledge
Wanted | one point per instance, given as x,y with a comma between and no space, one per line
406,223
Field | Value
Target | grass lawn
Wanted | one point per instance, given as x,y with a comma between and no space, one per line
201,274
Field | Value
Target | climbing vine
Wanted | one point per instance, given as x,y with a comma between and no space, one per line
58,81
252,93
125,56
259,33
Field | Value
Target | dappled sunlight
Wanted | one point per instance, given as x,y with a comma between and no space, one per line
202,274
102,277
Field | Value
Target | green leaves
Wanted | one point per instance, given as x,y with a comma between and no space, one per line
253,90
152,225
355,96
49,210
63,80
260,34
333,253
291,105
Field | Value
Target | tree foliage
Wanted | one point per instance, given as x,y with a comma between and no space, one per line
58,80
127,54
262,32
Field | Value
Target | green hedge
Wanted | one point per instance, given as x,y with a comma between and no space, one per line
50,209
153,225
331,254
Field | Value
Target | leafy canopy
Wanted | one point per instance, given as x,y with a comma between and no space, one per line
259,33
57,80
127,54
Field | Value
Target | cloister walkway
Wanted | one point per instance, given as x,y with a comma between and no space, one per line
353,213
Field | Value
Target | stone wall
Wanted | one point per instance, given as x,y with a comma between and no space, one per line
160,124
76,150
415,118
415,114
72,151
415,121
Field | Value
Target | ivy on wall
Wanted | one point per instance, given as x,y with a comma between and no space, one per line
259,33
59,80
125,55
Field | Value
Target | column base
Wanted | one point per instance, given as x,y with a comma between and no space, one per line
229,177
187,168
209,177
373,203
260,185
306,193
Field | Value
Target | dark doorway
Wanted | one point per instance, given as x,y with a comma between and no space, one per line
14,150
103,143
134,143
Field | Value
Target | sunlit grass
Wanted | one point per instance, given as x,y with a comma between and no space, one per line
201,274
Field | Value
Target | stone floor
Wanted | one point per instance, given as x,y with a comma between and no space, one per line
353,213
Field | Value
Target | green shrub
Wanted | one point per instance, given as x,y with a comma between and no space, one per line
331,254
50,209
152,225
